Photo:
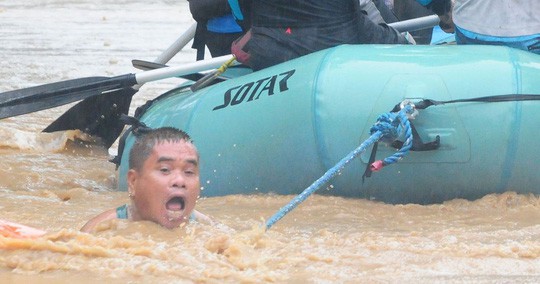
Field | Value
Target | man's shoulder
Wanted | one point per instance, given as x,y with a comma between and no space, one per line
105,216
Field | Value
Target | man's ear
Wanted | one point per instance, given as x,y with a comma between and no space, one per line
132,176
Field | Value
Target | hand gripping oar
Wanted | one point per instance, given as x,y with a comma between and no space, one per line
389,126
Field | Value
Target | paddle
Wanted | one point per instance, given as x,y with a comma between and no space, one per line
104,98
98,115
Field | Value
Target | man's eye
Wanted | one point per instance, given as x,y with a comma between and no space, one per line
164,170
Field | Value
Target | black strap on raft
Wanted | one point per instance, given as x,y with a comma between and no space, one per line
423,104
137,127
368,171
419,145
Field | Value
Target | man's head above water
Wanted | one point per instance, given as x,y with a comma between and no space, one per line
163,180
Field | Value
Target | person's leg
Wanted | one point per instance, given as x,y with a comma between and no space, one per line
220,43
268,47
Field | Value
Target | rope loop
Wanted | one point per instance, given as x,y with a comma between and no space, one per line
395,125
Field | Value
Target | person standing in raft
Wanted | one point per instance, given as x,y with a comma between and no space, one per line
513,23
163,181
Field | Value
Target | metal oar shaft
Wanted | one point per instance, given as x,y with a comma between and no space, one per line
187,68
182,41
416,24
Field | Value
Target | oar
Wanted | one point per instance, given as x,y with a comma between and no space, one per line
416,24
182,41
31,99
37,98
150,65
98,115
41,97
104,99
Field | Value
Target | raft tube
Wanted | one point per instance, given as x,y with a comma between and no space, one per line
279,129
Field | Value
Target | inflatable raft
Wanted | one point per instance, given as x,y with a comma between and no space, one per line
279,129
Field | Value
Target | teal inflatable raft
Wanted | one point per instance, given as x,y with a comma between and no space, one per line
279,129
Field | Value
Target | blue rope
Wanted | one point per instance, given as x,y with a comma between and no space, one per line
387,127
391,124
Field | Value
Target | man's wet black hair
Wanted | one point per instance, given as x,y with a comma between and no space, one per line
148,138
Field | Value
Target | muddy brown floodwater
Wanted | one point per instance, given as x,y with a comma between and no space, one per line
58,181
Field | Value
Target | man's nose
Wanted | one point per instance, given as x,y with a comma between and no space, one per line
178,180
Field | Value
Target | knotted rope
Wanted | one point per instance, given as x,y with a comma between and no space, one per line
389,127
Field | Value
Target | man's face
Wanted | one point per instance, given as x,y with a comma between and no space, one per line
166,189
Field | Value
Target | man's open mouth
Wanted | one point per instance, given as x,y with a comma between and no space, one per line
175,208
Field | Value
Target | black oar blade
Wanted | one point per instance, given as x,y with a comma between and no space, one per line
51,95
97,115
